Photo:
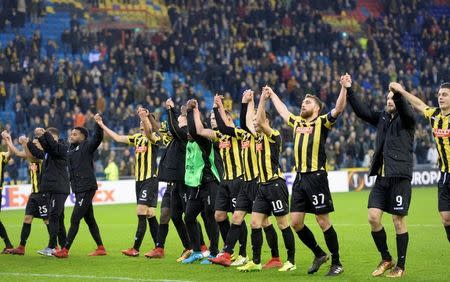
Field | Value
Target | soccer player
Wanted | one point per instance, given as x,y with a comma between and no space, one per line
439,119
229,149
146,146
171,170
272,196
36,205
84,185
203,175
54,182
392,163
4,157
310,191
247,194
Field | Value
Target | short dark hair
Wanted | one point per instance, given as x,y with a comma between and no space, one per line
269,117
83,131
445,85
316,99
53,130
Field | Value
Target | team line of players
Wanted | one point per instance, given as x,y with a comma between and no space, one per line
225,168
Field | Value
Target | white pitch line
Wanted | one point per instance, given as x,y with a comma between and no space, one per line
50,275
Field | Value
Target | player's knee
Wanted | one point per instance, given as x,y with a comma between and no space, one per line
151,212
28,219
297,224
164,218
374,220
445,218
237,219
220,216
283,224
323,222
141,210
399,223
255,224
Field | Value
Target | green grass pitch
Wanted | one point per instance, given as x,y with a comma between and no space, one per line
428,257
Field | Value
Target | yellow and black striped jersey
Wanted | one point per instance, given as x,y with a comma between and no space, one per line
441,132
268,150
35,168
230,152
3,160
145,155
248,154
309,141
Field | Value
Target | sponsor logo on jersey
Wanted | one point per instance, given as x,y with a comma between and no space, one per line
141,149
441,133
304,129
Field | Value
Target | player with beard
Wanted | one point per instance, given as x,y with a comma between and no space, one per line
310,191
439,119
392,163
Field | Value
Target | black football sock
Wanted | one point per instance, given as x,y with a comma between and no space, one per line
140,232
232,238
272,240
153,226
333,245
224,227
257,240
25,233
402,246
380,239
307,237
162,234
447,230
243,239
289,243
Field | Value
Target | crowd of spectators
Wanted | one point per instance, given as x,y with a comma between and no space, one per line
228,46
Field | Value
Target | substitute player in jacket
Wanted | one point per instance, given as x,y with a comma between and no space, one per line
84,185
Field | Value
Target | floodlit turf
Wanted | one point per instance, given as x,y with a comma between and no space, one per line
428,253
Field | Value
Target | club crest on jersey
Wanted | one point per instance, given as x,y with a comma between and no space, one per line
141,149
259,146
441,133
245,144
225,144
304,129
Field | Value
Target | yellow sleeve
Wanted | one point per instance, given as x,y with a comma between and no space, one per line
132,139
157,139
217,137
292,121
328,120
428,112
275,134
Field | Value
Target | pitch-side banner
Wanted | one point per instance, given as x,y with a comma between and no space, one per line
123,191
359,180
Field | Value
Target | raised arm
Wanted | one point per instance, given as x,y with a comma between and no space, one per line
250,112
11,148
342,98
362,110
192,104
35,151
418,104
174,128
52,146
221,116
116,137
97,138
261,112
279,105
144,115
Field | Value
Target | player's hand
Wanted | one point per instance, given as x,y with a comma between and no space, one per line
98,119
346,81
5,134
395,87
266,92
39,131
218,101
169,104
247,96
192,104
23,140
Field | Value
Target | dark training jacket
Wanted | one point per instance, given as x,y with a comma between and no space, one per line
395,136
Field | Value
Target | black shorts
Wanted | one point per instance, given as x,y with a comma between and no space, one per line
165,203
272,197
391,194
227,194
202,198
37,206
311,193
246,196
147,192
179,198
444,192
